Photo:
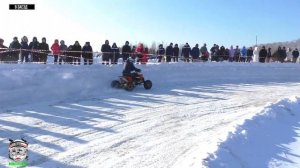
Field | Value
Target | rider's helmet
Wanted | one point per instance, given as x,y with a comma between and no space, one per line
130,59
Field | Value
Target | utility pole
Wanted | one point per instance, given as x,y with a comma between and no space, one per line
256,41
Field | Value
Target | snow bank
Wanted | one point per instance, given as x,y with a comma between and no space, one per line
270,139
59,83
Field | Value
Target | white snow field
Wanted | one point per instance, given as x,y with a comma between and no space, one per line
196,115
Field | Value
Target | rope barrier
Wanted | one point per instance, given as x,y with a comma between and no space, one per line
65,54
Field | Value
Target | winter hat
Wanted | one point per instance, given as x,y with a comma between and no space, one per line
56,40
1,40
25,39
62,42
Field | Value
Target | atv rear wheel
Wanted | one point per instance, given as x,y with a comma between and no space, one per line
147,84
115,84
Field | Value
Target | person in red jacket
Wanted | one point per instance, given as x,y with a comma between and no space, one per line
145,56
55,50
139,51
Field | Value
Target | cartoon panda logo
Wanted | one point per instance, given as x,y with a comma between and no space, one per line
18,150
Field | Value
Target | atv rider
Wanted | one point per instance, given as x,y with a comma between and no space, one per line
130,70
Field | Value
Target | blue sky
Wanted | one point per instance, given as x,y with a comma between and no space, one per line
225,22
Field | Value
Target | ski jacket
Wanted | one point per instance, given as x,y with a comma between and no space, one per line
186,51
76,48
263,53
295,53
25,46
176,51
195,52
129,68
45,49
169,51
87,51
126,50
55,48
231,52
244,52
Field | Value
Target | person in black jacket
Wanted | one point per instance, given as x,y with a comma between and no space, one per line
76,52
87,54
25,49
195,53
106,52
284,54
3,50
115,53
186,52
249,54
213,53
175,53
44,47
269,55
126,50
262,54
295,55
221,54
34,47
129,69
160,52
69,55
14,54
169,52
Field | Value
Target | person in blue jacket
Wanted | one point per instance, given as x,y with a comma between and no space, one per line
243,54
195,53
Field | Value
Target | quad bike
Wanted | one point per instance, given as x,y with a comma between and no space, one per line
129,82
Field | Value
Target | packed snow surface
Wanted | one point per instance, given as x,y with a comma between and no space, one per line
196,115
